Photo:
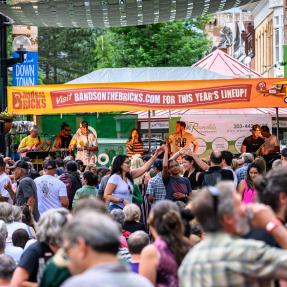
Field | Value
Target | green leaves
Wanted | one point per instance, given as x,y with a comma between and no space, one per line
166,44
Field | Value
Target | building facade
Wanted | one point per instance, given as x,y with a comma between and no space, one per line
269,38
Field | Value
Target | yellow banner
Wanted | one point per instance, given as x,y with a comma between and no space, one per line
87,98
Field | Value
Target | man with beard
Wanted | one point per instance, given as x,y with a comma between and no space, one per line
224,259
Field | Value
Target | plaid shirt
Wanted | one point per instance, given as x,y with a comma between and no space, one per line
156,188
227,261
241,172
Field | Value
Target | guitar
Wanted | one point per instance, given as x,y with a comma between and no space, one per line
37,147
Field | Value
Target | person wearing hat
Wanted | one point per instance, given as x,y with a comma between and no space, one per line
51,192
85,141
30,142
26,192
156,189
254,142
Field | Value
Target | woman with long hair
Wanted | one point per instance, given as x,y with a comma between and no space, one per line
160,260
119,189
134,144
246,186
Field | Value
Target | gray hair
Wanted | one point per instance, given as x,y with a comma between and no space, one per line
209,209
277,163
49,227
6,212
99,231
247,157
137,241
17,213
119,216
132,212
3,229
7,267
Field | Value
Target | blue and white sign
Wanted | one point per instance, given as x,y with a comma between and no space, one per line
26,74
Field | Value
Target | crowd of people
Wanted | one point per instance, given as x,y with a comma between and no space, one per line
166,219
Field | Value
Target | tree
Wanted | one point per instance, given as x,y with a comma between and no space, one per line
66,53
178,43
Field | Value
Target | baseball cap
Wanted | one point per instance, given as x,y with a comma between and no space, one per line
20,163
49,164
284,152
158,164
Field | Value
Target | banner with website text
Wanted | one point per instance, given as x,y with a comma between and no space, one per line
203,94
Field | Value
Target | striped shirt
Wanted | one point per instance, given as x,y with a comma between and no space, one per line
228,261
134,148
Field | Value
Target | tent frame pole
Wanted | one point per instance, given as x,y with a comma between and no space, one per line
277,122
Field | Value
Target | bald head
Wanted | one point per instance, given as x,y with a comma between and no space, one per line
215,158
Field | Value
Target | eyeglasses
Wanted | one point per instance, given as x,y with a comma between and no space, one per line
127,162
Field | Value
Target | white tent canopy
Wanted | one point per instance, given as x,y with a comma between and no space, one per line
149,74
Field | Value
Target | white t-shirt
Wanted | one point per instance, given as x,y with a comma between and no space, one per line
123,189
4,178
49,191
14,251
11,227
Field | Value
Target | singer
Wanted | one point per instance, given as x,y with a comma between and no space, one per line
85,141
181,138
134,144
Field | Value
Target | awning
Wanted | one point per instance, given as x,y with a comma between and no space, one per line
138,96
222,63
110,13
147,74
165,114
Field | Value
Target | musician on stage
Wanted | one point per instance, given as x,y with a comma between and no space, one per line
181,138
254,143
85,142
31,142
64,137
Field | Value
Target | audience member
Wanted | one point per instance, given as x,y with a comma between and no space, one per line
156,189
235,261
7,267
51,192
20,238
26,192
215,173
136,243
226,163
49,240
159,261
177,187
246,187
72,180
91,242
88,188
132,218
241,172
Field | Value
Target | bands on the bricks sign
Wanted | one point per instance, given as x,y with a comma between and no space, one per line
237,93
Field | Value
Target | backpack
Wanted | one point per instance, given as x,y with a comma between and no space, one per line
211,178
